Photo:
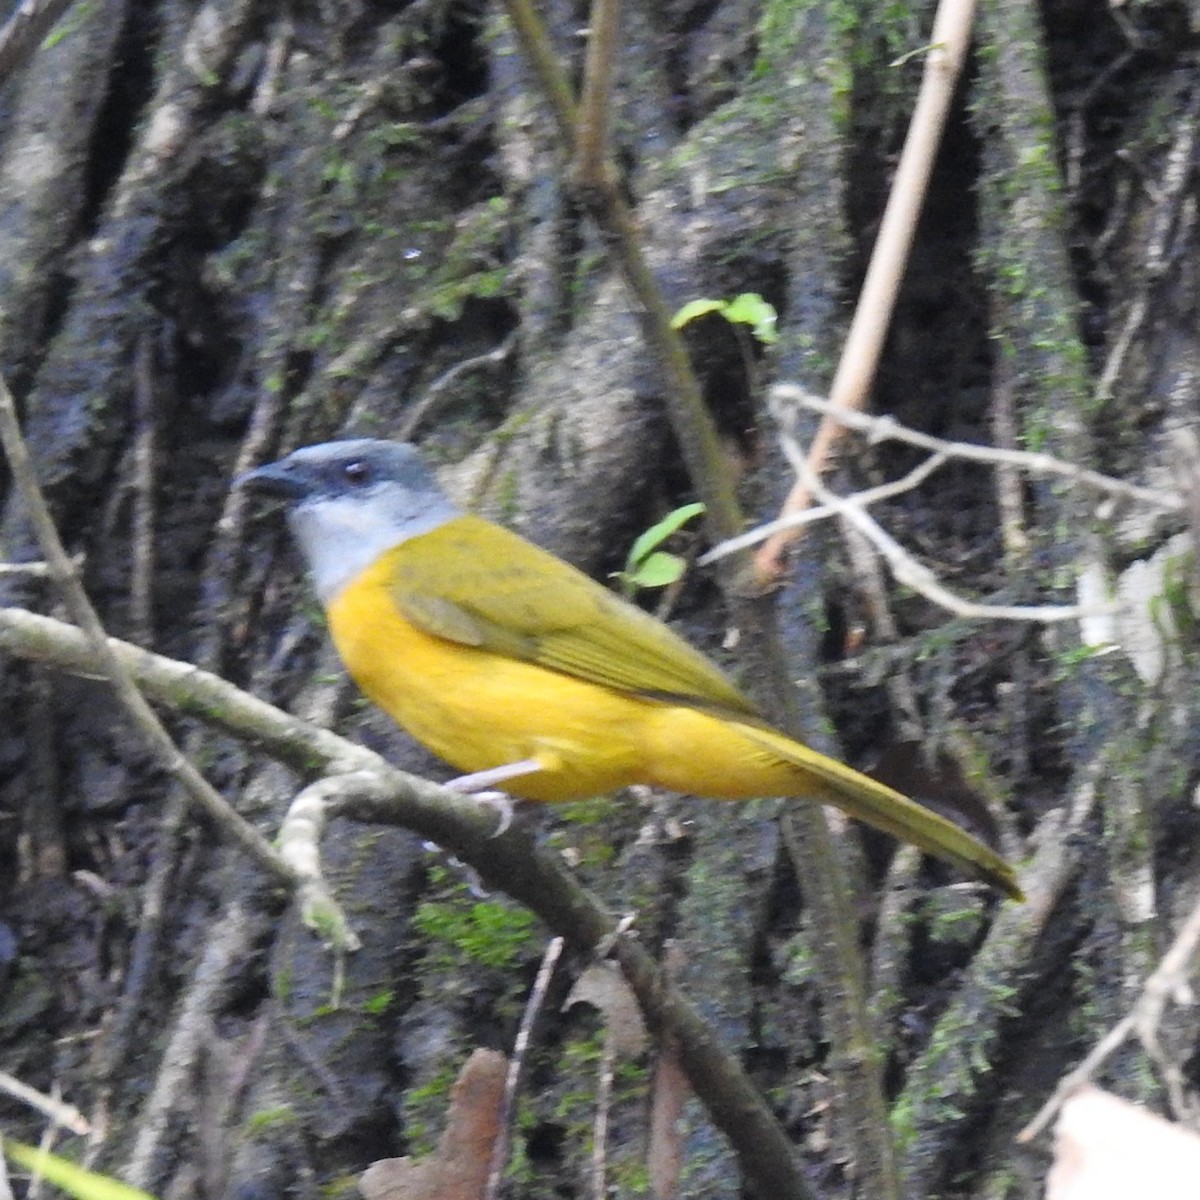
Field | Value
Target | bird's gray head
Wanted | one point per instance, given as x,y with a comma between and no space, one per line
350,501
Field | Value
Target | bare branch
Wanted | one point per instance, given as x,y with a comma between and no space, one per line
855,374
904,567
62,1114
202,793
907,570
880,429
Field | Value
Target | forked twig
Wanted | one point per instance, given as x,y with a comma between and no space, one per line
1169,981
907,570
950,40
67,578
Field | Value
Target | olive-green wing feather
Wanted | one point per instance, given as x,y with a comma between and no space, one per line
478,584
877,804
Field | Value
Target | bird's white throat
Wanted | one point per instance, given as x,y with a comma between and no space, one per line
340,536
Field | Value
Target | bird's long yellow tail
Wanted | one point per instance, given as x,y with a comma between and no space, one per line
878,805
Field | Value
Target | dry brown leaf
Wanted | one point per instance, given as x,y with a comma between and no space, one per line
1108,1149
458,1169
603,987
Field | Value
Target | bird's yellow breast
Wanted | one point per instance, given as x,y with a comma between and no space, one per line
478,709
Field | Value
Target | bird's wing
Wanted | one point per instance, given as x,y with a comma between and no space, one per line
478,584
877,804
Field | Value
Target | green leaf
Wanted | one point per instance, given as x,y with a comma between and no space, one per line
72,1178
751,309
658,533
747,309
695,308
657,570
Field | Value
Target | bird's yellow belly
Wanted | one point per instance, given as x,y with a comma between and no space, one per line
700,754
477,709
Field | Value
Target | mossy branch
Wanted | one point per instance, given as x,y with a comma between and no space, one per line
375,791
107,663
855,376
596,184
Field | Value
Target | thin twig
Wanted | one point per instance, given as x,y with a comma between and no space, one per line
62,1114
908,571
822,512
888,428
516,1064
1170,981
591,141
951,38
437,391
904,567
67,578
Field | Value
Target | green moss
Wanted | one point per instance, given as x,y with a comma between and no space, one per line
799,963
953,919
283,983
269,1120
474,265
508,496
425,1110
343,1187
380,1002
492,933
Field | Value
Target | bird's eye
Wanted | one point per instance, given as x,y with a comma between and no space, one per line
357,473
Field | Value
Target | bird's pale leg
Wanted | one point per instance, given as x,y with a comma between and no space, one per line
479,785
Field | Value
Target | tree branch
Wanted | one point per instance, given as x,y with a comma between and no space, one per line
511,862
859,361
66,576
693,424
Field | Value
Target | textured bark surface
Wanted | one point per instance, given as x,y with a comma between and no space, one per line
227,230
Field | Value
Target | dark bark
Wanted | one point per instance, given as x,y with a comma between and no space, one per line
230,230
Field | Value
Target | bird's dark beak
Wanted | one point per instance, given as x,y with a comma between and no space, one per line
275,479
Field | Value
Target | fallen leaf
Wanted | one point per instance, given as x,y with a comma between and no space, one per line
458,1168
1108,1149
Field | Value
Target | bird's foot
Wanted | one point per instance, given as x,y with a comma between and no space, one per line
478,785
605,946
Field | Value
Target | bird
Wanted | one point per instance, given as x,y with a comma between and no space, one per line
517,668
